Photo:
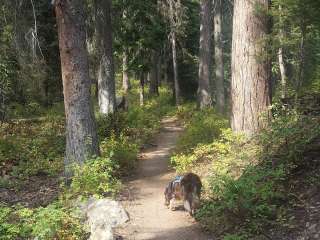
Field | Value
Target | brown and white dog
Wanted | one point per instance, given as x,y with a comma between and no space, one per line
186,188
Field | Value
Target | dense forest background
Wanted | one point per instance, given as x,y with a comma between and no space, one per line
84,85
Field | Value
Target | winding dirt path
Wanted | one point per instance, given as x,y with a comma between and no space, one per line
144,199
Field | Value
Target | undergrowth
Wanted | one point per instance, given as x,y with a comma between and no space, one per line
35,147
245,180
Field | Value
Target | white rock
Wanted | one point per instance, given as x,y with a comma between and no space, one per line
106,212
103,215
101,233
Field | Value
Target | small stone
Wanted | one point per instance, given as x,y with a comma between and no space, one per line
312,228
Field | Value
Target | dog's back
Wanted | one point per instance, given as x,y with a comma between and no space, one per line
186,188
191,189
191,183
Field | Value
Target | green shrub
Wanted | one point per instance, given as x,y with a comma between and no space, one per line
235,237
37,146
8,229
184,162
248,178
56,222
51,222
95,177
202,127
123,153
31,148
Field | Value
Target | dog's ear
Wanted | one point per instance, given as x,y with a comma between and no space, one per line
168,189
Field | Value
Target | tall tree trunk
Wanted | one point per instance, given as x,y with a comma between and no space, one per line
283,73
142,81
159,79
106,79
165,68
218,56
302,55
204,90
250,88
174,53
81,134
175,69
154,78
3,98
125,75
125,79
282,64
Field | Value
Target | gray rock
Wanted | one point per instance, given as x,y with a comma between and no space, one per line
102,215
101,232
108,212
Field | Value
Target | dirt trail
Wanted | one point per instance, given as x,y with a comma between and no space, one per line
144,200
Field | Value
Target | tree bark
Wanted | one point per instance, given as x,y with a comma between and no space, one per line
125,75
142,81
106,79
159,70
283,73
3,99
81,134
154,78
175,70
250,90
204,89
302,55
174,53
165,68
125,79
282,64
218,56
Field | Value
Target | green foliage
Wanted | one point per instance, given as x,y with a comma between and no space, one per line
56,221
25,156
245,179
293,21
235,237
201,127
51,222
95,177
121,151
22,156
248,178
139,122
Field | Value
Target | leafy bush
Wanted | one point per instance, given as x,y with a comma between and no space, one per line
51,222
195,143
245,179
235,237
248,178
95,177
122,152
201,127
31,147
24,155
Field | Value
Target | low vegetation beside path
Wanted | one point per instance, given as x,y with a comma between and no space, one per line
254,188
34,202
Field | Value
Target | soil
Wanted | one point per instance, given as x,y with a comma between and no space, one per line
35,191
302,220
143,196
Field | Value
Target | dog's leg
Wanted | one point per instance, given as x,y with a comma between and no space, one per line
187,206
172,204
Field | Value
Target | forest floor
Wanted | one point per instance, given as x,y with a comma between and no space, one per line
143,196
